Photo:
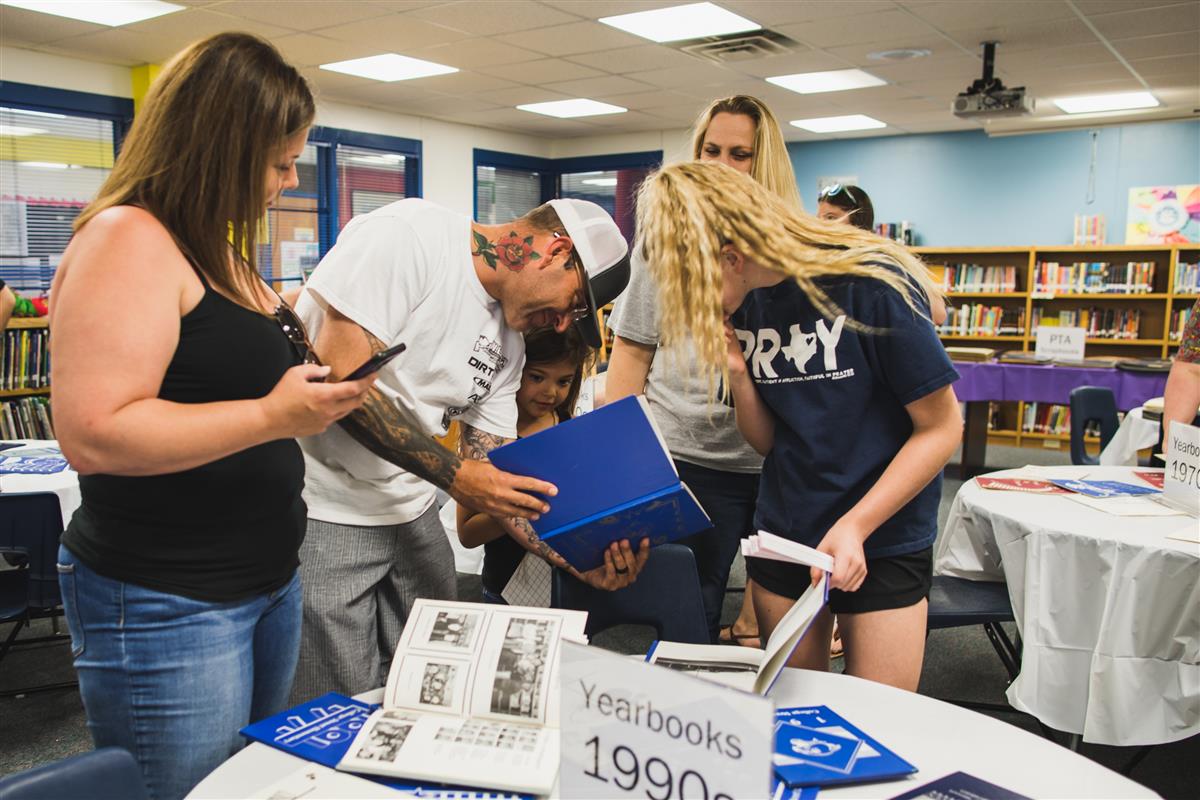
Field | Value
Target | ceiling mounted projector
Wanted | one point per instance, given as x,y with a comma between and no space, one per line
988,96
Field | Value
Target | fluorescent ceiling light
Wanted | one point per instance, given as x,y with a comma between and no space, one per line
389,67
1106,102
109,12
836,81
18,130
850,122
682,22
578,107
600,181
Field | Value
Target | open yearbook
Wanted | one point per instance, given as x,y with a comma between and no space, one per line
615,480
741,667
471,698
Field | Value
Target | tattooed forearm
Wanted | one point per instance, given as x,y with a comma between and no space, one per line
476,444
527,537
395,435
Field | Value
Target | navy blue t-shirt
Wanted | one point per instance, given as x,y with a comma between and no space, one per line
838,398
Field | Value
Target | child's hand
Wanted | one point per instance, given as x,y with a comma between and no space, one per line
736,361
844,542
621,566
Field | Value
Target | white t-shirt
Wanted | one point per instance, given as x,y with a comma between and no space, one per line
404,273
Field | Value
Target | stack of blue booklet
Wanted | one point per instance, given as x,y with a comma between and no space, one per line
816,747
321,731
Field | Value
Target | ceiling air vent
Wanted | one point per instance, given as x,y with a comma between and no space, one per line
738,46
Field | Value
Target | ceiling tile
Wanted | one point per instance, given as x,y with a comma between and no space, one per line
544,70
1091,7
434,106
489,17
953,15
465,83
522,95
176,31
1171,44
1167,65
698,75
577,37
657,98
1055,57
636,59
769,13
1019,37
969,67
473,53
803,61
112,46
19,25
403,5
595,9
596,88
1129,24
881,27
306,49
393,34
857,55
303,15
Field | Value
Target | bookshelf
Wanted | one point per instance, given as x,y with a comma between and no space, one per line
25,380
1130,295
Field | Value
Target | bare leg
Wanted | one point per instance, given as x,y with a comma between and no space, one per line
746,625
885,646
813,650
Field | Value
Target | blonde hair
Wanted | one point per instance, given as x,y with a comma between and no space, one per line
771,166
688,212
201,178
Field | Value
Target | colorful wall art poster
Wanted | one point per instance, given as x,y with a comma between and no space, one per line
1163,214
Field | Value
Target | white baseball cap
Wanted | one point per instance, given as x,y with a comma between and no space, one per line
603,252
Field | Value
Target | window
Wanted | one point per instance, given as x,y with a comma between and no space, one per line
505,193
615,190
289,247
56,149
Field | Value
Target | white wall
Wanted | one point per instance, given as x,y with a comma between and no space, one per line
59,72
674,144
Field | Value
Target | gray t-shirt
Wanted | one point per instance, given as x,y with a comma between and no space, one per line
695,430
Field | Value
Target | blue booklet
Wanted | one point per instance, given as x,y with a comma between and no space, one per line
816,747
321,731
615,480
1104,488
17,465
960,786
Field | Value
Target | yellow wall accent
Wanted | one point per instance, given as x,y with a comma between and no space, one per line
57,149
141,77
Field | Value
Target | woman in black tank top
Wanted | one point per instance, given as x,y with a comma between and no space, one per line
178,571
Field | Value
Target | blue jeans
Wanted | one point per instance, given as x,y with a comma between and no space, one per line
171,679
728,498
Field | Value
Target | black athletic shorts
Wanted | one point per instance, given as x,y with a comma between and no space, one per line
891,582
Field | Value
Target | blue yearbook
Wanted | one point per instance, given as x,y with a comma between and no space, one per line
615,480
816,747
960,786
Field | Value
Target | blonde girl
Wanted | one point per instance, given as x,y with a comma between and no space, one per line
837,377
711,456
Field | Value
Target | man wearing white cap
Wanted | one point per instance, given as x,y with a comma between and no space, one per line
459,294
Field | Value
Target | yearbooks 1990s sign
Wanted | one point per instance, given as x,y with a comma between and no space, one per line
634,730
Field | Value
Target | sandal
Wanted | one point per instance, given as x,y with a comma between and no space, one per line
835,646
727,636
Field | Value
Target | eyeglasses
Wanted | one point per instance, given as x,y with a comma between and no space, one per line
836,189
580,310
293,329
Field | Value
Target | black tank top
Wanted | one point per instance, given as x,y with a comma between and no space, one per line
224,531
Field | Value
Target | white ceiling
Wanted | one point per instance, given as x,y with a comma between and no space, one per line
521,51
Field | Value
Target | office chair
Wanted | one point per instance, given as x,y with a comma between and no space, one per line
665,596
1091,404
106,774
30,529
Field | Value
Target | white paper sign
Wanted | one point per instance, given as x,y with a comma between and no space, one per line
1181,484
630,729
1054,342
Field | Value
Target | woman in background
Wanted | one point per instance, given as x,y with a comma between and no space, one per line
720,468
178,571
846,203
838,378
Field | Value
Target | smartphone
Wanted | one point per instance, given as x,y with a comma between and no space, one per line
375,362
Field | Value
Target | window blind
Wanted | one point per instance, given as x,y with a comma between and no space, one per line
503,194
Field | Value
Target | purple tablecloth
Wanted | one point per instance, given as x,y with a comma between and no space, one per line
1045,384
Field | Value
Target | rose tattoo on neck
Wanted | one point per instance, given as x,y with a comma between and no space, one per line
513,251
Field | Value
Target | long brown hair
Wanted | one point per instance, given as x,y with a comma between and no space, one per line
548,346
772,167
199,150
688,212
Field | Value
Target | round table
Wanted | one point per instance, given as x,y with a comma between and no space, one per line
65,484
938,738
1108,607
1135,433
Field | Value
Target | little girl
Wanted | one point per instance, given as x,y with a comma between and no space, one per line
550,382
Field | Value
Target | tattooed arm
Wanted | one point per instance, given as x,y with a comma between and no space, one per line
394,434
475,529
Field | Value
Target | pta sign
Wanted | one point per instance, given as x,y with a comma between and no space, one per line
1065,343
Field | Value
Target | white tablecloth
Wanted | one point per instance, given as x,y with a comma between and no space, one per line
1108,608
1136,433
65,484
938,738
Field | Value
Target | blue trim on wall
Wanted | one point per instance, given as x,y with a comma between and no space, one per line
118,110
648,158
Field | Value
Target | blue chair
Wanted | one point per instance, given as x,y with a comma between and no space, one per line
1091,404
30,529
106,774
666,596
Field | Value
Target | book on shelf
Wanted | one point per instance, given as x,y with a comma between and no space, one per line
1187,278
1179,321
26,418
471,698
1091,362
615,480
971,354
25,362
1021,357
1094,277
968,278
1100,323
1047,418
745,668
978,319
815,746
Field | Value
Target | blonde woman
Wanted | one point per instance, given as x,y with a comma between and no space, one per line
711,456
837,377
